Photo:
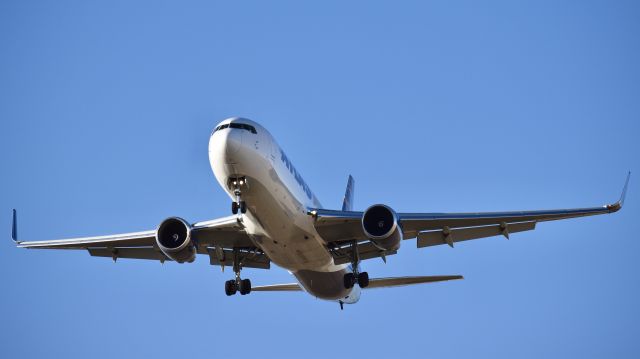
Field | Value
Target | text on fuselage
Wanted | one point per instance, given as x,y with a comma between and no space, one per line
295,174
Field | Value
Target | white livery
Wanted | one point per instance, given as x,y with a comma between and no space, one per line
277,219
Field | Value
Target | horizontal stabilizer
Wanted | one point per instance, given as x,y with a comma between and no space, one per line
402,281
291,287
373,283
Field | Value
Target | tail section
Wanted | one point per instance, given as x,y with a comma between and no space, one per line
347,203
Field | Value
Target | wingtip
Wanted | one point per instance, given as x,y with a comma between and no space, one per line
624,190
618,205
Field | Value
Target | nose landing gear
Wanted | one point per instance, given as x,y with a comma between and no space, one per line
237,184
238,206
231,287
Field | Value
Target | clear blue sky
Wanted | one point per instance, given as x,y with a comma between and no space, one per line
432,106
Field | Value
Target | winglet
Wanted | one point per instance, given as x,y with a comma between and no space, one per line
14,227
618,205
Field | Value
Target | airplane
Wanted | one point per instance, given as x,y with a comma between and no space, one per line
277,218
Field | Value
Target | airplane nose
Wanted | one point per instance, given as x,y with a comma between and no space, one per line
225,145
233,142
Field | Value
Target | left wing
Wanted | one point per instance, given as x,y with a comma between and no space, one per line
340,227
216,238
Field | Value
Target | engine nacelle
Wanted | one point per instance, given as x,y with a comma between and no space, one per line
380,224
174,239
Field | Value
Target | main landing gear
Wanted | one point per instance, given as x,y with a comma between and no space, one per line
362,278
239,204
231,287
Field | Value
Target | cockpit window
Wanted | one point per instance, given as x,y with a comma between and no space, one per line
241,126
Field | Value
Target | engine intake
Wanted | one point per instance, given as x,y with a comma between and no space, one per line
174,239
380,224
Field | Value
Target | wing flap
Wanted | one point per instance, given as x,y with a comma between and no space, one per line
366,250
250,259
130,253
416,222
450,236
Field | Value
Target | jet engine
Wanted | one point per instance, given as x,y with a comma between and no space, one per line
174,239
380,225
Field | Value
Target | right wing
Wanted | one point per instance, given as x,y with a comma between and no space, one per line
216,238
340,228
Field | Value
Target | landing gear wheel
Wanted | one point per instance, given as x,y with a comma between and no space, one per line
243,207
245,287
230,287
234,207
363,279
349,280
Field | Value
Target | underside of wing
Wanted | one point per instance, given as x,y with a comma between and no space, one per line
339,228
220,239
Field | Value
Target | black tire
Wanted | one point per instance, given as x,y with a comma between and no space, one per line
243,207
234,207
245,287
349,280
230,287
363,279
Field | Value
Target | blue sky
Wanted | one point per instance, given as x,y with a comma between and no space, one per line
105,113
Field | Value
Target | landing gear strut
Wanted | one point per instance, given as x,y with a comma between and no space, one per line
231,287
239,204
362,278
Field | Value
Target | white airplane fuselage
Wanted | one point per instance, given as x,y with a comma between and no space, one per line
277,200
